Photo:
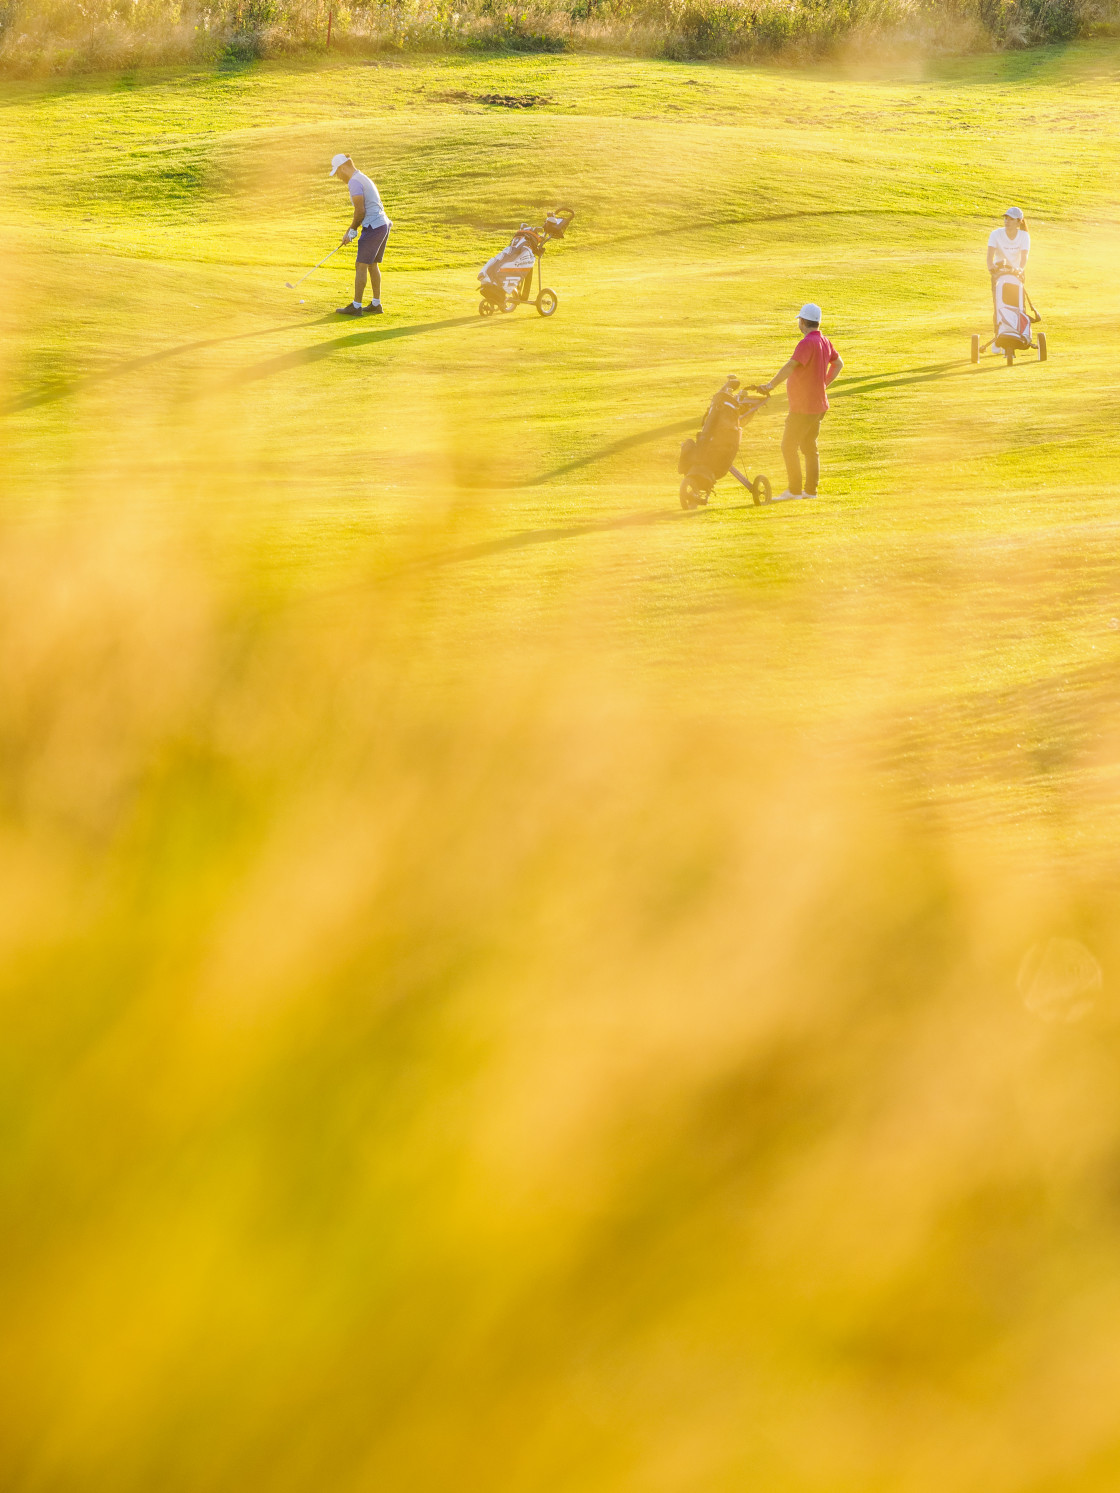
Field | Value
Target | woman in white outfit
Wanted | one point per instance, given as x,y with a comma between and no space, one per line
1008,245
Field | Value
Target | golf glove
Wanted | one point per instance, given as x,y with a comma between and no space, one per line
350,236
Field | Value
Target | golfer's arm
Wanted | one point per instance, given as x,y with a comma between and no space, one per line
834,368
991,258
782,374
359,212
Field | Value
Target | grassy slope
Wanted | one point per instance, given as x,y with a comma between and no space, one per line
362,1056
955,578
152,222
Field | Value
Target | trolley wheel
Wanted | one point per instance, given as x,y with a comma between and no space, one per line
1042,347
485,308
547,302
976,347
761,491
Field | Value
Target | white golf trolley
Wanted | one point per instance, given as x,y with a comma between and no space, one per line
1013,322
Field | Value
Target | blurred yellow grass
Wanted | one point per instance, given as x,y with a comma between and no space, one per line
505,987
514,1083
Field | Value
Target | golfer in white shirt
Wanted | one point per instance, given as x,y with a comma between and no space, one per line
1010,244
372,221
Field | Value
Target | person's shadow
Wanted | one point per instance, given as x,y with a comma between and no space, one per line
64,388
314,354
870,383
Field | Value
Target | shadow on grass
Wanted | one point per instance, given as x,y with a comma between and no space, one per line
615,448
868,383
305,355
872,383
526,538
67,387
756,220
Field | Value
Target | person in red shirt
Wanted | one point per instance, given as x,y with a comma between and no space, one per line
812,367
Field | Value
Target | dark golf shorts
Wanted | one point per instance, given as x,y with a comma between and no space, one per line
371,244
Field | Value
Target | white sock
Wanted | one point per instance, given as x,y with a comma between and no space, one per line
376,301
357,303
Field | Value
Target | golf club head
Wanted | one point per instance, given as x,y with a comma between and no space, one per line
288,285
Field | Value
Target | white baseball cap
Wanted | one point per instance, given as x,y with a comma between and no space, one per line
810,312
337,161
1014,212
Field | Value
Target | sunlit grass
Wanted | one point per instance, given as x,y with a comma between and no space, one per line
506,985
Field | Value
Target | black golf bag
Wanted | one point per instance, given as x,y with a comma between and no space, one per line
711,455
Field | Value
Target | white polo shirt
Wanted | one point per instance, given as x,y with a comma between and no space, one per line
361,186
1014,250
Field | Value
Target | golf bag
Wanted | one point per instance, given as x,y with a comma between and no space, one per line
709,457
502,275
1013,322
506,280
1014,317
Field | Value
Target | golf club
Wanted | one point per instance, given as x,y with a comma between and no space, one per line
291,285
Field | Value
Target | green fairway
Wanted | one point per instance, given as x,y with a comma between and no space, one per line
151,221
480,942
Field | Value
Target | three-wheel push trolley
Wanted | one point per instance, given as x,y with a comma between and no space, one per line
1014,322
506,281
711,455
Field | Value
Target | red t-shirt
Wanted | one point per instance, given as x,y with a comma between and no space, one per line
815,353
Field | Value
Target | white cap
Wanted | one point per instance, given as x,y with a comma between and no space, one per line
810,312
1014,212
337,161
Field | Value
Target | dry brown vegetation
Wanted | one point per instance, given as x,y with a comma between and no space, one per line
42,36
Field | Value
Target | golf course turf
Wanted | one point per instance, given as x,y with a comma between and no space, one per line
510,986
154,220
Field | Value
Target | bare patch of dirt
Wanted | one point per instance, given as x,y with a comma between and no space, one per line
494,100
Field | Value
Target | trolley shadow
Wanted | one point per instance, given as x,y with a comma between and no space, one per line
872,383
868,383
527,538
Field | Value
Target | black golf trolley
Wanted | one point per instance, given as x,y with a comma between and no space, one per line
1013,321
709,457
506,281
